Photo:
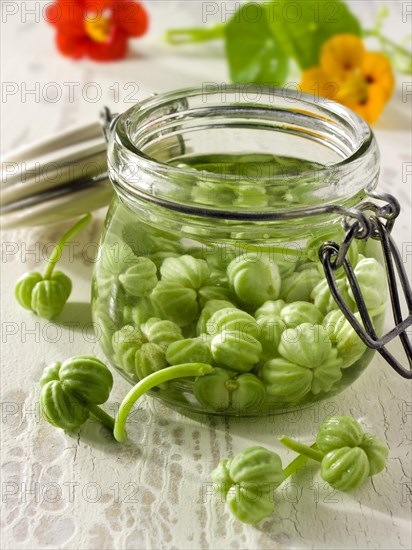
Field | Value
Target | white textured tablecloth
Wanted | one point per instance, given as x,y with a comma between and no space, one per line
85,491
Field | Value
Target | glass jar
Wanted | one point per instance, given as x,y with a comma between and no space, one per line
209,254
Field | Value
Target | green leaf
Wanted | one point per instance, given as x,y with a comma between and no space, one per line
253,51
302,27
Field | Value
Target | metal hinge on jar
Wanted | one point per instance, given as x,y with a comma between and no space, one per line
375,222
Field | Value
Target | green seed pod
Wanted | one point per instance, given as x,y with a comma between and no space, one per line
175,302
235,350
207,293
286,266
50,373
301,312
345,468
249,503
322,298
298,286
339,431
247,392
270,308
87,378
254,281
61,408
211,391
48,298
162,333
186,271
24,288
140,278
306,345
257,465
191,350
286,381
126,342
350,347
232,319
159,257
270,333
115,259
148,359
223,390
327,373
208,310
372,280
220,476
376,451
140,312
64,281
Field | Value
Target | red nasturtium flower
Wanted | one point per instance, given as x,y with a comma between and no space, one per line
98,29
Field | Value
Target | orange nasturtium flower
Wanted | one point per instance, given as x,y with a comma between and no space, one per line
349,74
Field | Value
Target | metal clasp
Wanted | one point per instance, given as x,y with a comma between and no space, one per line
377,225
107,122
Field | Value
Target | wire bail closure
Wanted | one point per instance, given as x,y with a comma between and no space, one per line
332,255
378,226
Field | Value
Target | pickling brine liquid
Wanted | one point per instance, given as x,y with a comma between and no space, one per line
172,287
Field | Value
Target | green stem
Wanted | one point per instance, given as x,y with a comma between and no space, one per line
177,37
387,41
154,379
101,415
293,445
57,251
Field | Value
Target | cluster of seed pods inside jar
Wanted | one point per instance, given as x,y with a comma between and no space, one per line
266,321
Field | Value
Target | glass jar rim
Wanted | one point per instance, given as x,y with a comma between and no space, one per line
156,180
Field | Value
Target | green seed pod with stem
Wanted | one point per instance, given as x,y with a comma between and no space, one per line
348,456
72,390
47,294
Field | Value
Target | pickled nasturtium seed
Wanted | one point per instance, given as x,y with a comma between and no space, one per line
307,345
191,350
210,307
47,294
254,280
128,341
341,333
161,332
286,381
247,482
140,278
270,333
322,298
271,307
148,359
299,285
235,350
72,390
223,390
232,319
175,302
372,280
206,294
348,456
185,271
300,312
